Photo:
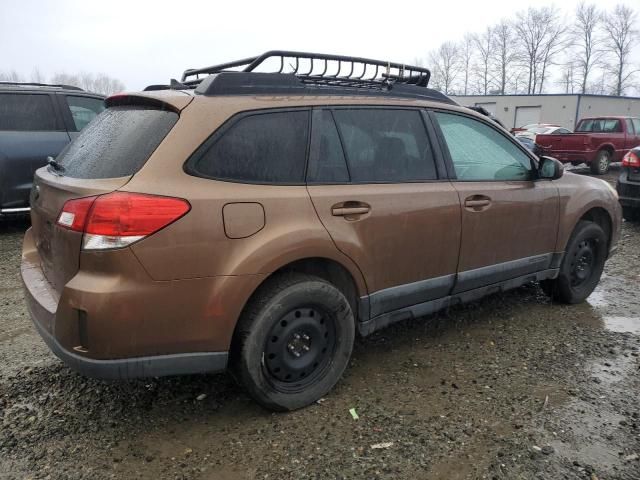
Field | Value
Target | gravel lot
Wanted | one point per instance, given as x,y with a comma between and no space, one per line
511,387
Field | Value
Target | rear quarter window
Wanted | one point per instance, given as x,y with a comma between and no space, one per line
257,148
27,112
117,143
84,109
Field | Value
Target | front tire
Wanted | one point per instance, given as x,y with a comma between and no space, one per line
293,342
581,266
600,165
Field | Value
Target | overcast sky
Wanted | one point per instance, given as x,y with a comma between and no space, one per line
144,42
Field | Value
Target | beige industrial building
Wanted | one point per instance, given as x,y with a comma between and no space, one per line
560,109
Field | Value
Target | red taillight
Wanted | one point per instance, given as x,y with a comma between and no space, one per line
74,213
631,159
120,218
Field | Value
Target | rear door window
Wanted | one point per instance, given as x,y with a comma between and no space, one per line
258,148
117,143
27,112
385,145
84,109
326,158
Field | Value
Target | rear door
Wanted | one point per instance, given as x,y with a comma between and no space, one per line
373,180
509,221
30,131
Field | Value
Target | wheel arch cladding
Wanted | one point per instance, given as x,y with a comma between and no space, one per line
325,268
601,217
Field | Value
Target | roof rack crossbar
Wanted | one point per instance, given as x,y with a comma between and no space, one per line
36,84
392,72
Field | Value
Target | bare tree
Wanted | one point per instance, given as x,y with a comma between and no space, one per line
504,53
466,59
540,34
555,42
484,46
619,27
585,37
100,83
37,76
11,76
445,62
568,79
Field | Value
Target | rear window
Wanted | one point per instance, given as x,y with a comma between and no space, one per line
600,125
27,112
117,143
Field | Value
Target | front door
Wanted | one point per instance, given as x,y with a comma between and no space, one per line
509,220
381,201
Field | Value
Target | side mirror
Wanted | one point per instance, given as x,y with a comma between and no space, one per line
550,168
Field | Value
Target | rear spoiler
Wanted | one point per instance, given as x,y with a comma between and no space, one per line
161,100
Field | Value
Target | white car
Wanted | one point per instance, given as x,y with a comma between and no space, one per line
530,131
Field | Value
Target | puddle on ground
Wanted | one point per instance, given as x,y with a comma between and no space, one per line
598,298
622,324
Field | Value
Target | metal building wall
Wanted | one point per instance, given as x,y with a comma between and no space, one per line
559,109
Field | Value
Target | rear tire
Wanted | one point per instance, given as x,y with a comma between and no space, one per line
293,342
581,266
600,165
631,214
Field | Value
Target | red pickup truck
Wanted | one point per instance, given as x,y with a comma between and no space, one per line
596,141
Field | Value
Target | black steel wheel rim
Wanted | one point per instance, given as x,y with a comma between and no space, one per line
583,262
299,348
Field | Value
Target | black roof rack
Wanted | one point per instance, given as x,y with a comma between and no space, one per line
323,69
34,84
300,73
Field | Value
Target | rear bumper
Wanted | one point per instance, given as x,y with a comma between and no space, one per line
141,367
121,324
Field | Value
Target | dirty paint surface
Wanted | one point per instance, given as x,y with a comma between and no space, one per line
510,387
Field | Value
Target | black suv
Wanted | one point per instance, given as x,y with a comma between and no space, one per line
36,121
629,185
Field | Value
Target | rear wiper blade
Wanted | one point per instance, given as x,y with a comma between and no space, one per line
55,165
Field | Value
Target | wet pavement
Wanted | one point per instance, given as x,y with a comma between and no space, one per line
510,387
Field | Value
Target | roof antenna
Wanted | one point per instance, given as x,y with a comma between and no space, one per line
176,85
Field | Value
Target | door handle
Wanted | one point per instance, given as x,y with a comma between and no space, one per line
477,203
349,208
344,211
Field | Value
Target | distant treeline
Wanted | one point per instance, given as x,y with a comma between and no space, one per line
98,82
541,50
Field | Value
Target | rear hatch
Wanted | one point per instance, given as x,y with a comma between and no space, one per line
104,157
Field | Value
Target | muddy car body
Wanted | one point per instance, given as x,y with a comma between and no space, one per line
185,262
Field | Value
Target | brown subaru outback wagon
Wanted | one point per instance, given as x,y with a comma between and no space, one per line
256,221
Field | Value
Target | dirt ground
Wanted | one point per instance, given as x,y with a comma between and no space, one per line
510,387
